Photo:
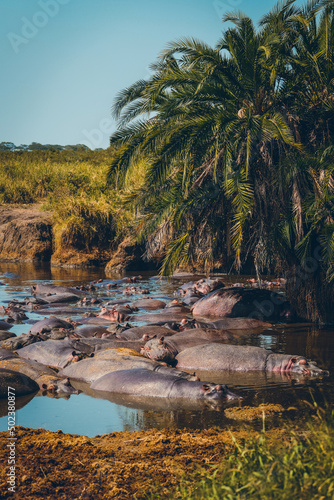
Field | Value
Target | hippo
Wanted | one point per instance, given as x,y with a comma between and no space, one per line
243,358
55,353
4,325
138,332
208,285
14,384
61,298
23,340
142,382
161,349
149,304
116,359
174,306
191,296
5,334
89,331
45,377
235,324
117,314
41,289
165,316
47,324
6,354
243,302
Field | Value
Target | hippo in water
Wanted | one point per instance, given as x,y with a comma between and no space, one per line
116,359
55,353
235,302
14,384
45,377
243,358
41,289
48,324
138,332
142,382
161,349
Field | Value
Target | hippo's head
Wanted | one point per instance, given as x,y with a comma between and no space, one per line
159,350
302,366
220,391
60,386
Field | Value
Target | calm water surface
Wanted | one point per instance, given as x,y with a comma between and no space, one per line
87,414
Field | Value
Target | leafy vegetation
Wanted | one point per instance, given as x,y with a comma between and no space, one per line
71,184
259,469
238,145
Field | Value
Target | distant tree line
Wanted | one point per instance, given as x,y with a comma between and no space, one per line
36,146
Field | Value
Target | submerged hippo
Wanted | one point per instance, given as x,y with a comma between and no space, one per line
40,289
55,353
4,325
45,377
48,324
114,359
142,382
15,384
243,358
149,304
241,302
138,332
161,349
235,324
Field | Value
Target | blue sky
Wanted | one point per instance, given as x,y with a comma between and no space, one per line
63,61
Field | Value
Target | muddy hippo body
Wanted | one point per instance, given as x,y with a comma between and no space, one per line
55,353
142,382
166,350
4,335
234,324
88,331
164,317
45,377
47,324
61,298
4,325
138,332
40,289
243,358
237,302
89,370
14,384
149,304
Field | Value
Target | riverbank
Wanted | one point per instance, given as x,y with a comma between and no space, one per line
119,465
280,462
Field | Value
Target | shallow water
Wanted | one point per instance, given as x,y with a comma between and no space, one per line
87,414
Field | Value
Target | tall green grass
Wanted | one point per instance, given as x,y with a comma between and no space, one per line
34,176
259,469
72,185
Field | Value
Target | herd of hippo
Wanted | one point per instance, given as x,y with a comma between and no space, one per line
86,334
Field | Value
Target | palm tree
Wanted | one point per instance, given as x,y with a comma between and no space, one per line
224,132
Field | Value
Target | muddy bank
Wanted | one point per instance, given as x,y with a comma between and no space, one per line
120,465
27,235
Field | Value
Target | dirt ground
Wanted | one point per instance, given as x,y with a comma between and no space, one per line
122,465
